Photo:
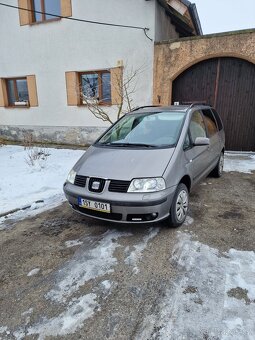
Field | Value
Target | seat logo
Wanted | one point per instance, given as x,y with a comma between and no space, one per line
95,185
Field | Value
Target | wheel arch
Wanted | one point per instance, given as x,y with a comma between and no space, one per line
187,181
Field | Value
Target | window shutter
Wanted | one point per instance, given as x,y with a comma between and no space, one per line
66,8
25,17
116,85
32,92
72,88
3,93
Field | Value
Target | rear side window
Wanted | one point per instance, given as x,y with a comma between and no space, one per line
218,119
197,126
210,122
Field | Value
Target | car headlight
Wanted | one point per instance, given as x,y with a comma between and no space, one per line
147,184
71,176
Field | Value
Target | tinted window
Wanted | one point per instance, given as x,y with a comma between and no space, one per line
218,119
197,126
210,122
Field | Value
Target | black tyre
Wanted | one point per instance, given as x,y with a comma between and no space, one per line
179,207
218,170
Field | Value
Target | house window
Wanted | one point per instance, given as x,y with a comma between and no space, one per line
46,6
56,7
95,86
100,87
17,92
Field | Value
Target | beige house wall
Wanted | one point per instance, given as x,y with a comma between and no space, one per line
173,57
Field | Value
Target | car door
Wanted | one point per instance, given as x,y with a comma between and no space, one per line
196,156
213,135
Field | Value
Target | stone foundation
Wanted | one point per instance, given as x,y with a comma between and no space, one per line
56,135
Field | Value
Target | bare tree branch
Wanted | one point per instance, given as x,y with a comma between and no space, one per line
125,87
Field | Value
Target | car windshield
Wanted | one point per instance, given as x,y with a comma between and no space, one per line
160,129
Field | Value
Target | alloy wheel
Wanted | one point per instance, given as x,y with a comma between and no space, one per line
181,205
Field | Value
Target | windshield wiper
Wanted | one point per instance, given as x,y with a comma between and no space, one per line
132,144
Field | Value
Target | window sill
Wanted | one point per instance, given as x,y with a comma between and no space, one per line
44,21
99,104
17,107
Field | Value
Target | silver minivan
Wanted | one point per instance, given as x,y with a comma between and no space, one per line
144,166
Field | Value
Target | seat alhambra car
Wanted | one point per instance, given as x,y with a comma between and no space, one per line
144,166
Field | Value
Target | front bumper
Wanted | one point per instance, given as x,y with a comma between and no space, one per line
125,207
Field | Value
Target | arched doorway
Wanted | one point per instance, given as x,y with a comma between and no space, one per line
228,84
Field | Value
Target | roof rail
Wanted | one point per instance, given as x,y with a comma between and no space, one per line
144,107
192,104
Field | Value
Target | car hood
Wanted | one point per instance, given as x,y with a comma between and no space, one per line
123,163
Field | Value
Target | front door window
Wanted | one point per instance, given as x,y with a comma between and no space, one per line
197,126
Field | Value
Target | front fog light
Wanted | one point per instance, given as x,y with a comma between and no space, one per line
147,185
71,176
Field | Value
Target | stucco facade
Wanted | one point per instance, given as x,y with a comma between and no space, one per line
173,57
48,50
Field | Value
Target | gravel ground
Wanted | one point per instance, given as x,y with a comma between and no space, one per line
67,276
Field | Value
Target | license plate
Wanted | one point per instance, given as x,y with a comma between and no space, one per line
94,205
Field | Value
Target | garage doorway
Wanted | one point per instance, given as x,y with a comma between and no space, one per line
228,84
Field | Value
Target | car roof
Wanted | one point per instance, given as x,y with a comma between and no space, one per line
172,108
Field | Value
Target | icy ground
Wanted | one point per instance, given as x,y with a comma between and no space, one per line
40,186
212,298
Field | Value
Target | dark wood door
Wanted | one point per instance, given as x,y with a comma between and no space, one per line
228,84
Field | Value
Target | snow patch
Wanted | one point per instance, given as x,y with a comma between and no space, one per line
198,304
106,284
67,322
188,221
133,258
87,263
3,330
34,272
23,185
27,312
93,258
239,162
73,243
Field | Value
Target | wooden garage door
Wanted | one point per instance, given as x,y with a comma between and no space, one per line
228,84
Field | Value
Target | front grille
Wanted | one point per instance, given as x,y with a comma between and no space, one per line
100,182
94,213
80,181
118,186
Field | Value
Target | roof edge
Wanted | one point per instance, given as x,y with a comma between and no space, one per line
207,36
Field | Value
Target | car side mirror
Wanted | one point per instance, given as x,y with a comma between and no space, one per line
199,141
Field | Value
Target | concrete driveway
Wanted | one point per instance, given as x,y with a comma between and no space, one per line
67,276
